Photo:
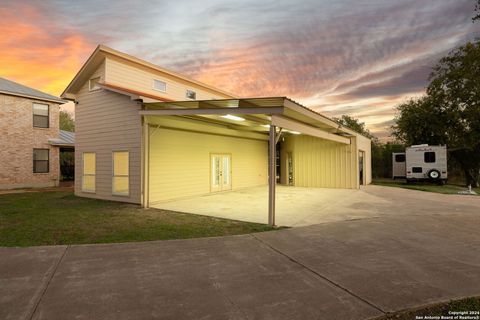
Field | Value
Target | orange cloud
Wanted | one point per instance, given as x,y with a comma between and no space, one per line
37,51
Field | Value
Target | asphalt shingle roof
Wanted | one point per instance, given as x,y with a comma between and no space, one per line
8,86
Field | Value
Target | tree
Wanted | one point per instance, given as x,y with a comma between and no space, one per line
418,121
66,121
355,125
449,113
381,161
477,10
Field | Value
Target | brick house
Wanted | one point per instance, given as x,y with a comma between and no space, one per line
29,137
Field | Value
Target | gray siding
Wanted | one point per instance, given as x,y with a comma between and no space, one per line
107,122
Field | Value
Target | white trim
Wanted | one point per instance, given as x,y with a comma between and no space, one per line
206,111
83,173
153,85
306,129
40,115
97,85
120,194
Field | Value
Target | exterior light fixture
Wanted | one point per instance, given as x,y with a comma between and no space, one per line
234,118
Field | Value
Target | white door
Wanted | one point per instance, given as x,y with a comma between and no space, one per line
290,169
361,167
221,169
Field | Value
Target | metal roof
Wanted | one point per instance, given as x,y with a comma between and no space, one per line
65,138
265,105
220,103
13,88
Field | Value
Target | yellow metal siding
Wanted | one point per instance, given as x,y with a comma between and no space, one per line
179,164
319,163
129,75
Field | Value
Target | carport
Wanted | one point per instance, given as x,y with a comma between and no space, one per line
198,148
295,206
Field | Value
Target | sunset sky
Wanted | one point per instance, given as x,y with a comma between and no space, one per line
356,57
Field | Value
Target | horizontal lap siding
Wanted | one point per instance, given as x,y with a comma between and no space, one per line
106,122
180,162
140,78
319,163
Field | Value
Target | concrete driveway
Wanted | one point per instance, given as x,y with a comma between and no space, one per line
295,206
414,248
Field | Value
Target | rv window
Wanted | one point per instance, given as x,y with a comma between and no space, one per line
429,157
417,169
399,158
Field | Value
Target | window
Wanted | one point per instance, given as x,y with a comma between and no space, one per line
89,169
93,84
40,161
120,173
417,169
159,85
399,158
429,157
40,115
191,95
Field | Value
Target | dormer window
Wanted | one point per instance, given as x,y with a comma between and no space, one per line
40,115
93,84
190,94
159,85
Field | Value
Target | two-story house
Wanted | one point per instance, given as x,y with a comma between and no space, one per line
29,137
147,135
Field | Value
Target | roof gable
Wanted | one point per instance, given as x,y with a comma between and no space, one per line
99,55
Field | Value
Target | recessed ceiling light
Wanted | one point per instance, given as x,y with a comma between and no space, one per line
234,118
295,132
266,125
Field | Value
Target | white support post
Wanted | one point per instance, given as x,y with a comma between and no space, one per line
272,175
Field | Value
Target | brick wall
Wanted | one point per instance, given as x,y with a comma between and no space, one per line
18,138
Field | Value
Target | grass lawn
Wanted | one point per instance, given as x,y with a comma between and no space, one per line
50,218
443,309
422,186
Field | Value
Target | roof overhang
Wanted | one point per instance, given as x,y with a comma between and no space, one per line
60,143
279,111
133,94
57,101
65,139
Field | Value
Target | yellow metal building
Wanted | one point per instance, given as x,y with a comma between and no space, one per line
147,135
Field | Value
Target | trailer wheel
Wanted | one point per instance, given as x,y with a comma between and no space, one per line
434,174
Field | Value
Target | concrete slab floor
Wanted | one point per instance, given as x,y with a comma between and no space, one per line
295,206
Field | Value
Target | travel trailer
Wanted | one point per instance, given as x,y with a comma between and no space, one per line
421,162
